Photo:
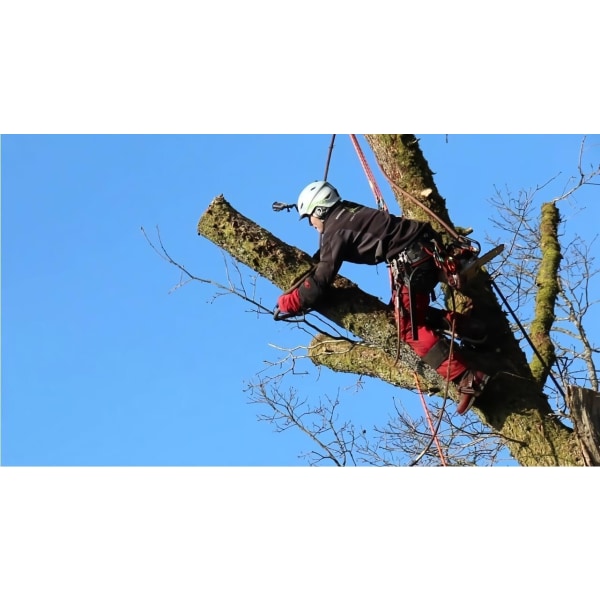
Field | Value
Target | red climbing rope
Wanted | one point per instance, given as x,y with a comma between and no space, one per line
431,427
365,165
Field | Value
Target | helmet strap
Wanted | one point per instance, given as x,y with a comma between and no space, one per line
321,212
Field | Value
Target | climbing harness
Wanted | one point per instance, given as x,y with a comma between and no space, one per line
415,268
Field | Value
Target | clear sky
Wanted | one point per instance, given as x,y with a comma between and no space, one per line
102,365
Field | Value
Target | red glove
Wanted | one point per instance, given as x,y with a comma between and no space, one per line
290,303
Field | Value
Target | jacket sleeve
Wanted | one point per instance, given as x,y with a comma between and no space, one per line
331,254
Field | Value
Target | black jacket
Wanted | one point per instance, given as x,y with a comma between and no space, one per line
357,234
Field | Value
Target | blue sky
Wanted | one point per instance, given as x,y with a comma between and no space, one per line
102,365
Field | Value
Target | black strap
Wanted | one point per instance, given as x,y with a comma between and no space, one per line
412,303
438,353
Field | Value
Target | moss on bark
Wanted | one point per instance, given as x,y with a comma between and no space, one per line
548,288
344,356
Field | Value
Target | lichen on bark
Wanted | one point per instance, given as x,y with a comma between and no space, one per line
548,289
345,356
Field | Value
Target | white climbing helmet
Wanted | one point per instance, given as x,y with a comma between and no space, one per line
318,194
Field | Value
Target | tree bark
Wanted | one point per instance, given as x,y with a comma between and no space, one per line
585,412
548,288
513,405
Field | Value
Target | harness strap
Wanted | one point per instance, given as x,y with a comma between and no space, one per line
412,303
403,268
438,353
400,277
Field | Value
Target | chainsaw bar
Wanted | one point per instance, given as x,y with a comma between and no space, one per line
471,269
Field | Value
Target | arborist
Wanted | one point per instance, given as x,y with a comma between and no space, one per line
363,235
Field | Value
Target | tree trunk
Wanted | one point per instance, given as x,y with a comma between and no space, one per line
585,412
513,405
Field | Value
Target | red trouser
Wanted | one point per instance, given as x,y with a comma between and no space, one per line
427,337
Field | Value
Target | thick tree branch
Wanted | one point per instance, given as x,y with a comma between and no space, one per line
548,289
345,356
